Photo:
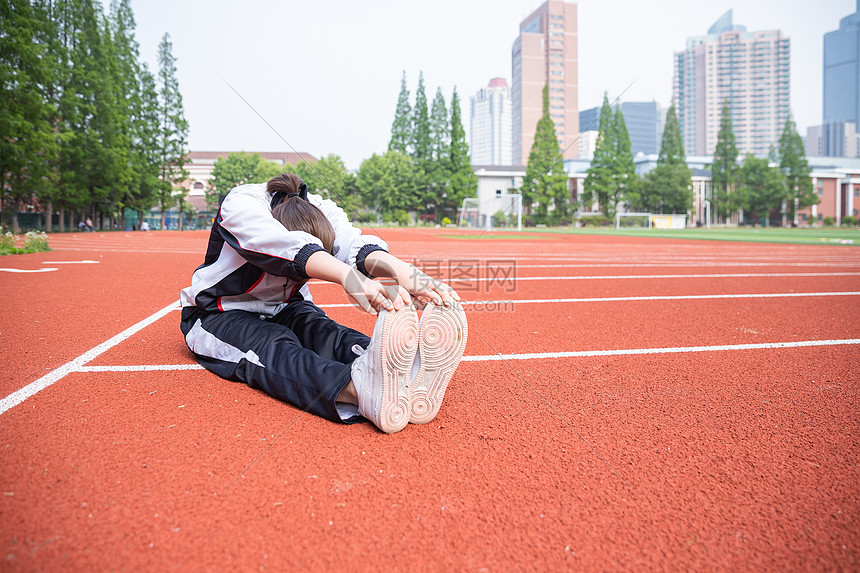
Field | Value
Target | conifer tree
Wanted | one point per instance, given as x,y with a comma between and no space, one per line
667,187
626,184
74,95
129,83
173,135
438,171
422,152
421,143
401,136
599,183
100,165
463,182
546,182
27,145
724,169
795,168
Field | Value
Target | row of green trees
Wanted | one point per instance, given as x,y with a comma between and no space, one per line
85,127
763,189
426,168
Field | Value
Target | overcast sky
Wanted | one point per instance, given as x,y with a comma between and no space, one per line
326,75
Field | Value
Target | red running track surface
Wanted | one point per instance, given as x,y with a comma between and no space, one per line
719,459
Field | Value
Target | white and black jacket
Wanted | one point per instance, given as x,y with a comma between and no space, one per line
254,264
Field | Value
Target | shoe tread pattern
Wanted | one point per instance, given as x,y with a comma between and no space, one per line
443,331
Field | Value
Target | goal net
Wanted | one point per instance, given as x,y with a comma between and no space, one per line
633,220
649,221
503,210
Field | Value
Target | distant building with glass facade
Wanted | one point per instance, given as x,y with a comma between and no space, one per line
643,121
841,96
750,70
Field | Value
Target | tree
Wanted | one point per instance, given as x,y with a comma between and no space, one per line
438,169
96,156
329,178
668,187
27,143
624,172
133,133
401,137
545,182
146,159
795,169
173,136
462,182
388,184
421,142
422,151
599,183
724,169
761,190
238,168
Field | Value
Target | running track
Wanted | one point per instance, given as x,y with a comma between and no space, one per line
624,404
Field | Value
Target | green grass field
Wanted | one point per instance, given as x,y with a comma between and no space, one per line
815,236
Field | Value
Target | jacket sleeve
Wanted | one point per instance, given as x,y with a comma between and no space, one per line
245,222
350,246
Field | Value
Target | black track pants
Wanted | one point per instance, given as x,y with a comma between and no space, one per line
300,355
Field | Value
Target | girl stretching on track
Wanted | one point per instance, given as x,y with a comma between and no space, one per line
248,315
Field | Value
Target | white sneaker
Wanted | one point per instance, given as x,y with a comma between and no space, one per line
381,373
442,335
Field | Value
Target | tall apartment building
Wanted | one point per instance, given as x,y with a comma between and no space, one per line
545,53
750,70
490,131
841,97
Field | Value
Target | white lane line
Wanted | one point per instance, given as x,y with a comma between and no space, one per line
140,368
503,278
537,355
680,349
83,262
633,298
45,270
19,396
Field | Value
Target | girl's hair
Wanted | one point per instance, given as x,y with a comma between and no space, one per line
296,214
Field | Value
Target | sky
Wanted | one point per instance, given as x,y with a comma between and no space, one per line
323,77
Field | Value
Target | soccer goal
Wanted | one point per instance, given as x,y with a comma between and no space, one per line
496,211
633,220
649,221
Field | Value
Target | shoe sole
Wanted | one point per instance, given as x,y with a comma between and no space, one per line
399,346
442,335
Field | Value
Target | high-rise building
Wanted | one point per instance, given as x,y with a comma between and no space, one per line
545,54
842,71
750,70
491,124
642,118
841,97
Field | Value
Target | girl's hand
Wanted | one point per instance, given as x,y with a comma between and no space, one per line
409,277
371,295
425,287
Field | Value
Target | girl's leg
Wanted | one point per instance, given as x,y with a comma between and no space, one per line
316,331
239,346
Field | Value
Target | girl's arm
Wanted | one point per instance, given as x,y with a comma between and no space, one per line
410,278
370,295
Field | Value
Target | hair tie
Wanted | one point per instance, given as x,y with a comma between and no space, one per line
291,195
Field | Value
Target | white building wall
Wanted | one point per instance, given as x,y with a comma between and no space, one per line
491,139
